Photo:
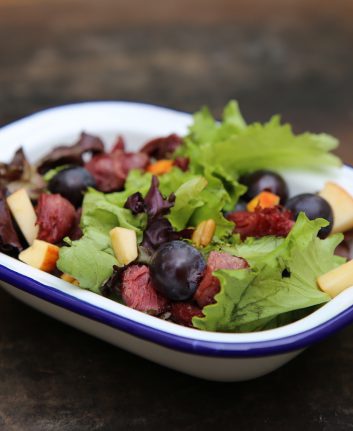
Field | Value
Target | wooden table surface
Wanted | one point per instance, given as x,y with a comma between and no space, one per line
292,57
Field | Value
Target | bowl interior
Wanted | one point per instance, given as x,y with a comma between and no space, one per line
138,123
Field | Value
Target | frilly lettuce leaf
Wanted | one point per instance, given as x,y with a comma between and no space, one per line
89,260
198,197
103,212
236,148
219,153
187,200
250,299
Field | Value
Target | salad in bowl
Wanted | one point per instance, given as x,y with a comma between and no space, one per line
201,230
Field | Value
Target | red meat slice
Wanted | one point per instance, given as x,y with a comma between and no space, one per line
210,284
124,162
56,217
262,222
102,169
207,289
111,170
137,291
119,145
183,312
76,231
219,260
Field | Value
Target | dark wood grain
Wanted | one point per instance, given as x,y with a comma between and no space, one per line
292,57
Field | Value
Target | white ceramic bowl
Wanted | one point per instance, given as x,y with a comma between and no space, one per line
214,356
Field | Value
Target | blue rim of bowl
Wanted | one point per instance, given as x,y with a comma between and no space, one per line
274,346
172,341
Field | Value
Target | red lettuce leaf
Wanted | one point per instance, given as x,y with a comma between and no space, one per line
66,154
162,148
9,240
14,170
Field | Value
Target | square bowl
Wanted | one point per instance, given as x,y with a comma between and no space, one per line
213,356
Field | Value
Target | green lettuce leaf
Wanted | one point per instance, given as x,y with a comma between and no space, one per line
201,198
103,212
187,200
215,198
253,249
198,197
89,260
250,299
236,148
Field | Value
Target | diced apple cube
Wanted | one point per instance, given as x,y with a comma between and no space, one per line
23,212
124,244
342,206
41,255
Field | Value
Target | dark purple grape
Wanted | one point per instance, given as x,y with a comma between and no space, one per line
71,183
314,207
176,270
262,180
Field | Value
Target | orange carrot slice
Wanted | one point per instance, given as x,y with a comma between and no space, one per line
263,200
160,167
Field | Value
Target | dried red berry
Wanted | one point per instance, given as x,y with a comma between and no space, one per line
275,221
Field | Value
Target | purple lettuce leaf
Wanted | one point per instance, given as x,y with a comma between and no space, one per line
135,203
156,204
158,230
111,287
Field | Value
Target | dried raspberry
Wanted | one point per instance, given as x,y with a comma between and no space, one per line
275,221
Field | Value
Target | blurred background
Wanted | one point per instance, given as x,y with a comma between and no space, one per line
292,57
